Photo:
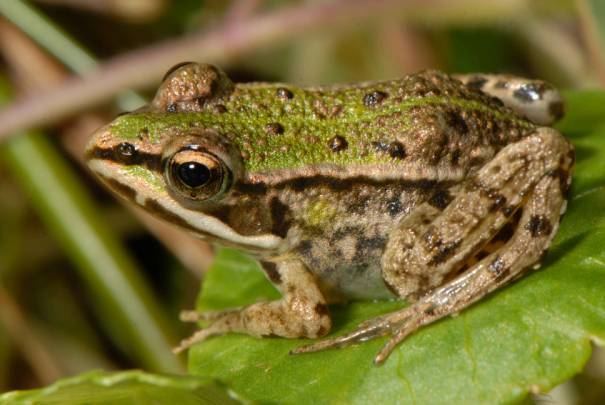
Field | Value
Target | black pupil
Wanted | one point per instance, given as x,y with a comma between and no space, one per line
193,174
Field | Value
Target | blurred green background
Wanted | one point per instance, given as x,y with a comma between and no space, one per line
86,283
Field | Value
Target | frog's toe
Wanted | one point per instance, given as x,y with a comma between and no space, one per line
365,331
220,322
197,337
399,325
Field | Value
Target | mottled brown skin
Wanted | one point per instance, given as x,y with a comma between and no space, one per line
430,188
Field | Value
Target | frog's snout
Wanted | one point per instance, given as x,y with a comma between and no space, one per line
102,152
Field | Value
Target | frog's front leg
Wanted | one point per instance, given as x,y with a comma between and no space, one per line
525,182
302,312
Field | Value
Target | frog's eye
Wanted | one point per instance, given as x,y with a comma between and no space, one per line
196,174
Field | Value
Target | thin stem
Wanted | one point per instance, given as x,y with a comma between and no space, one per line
144,66
15,323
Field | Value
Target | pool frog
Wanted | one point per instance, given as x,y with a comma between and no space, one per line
433,189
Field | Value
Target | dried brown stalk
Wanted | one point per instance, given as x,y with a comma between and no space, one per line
145,66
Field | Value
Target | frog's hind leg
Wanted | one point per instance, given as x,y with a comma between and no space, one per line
302,312
529,177
537,100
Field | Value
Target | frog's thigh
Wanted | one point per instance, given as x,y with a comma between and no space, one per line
543,191
536,228
432,246
535,99
302,312
543,186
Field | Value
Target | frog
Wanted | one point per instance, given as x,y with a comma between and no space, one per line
432,189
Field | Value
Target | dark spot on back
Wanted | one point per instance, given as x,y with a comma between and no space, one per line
440,199
396,150
274,128
337,143
538,225
374,98
270,269
284,93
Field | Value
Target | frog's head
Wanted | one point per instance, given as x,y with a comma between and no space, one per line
164,159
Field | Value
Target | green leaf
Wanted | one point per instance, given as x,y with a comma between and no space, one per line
527,337
127,387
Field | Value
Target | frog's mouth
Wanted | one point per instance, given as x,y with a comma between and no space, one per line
146,187
157,201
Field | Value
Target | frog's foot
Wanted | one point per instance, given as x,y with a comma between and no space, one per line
537,100
398,325
466,243
302,312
